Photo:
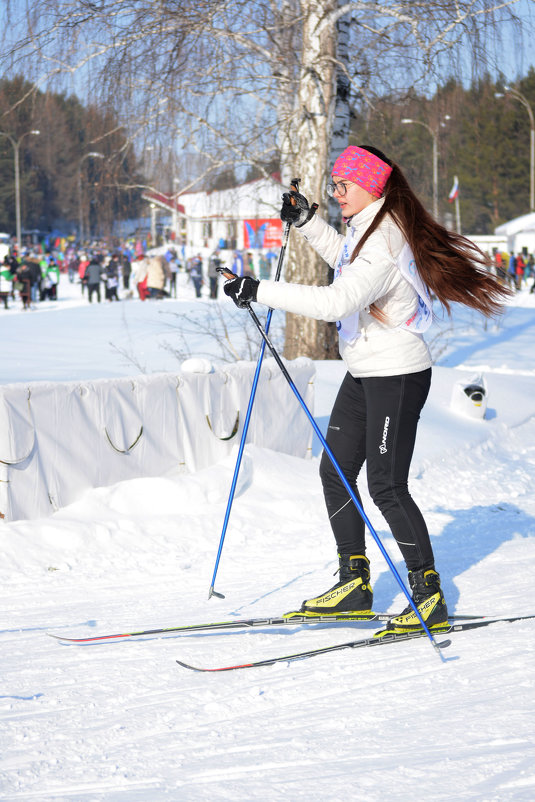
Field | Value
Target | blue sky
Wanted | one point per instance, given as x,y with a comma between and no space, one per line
518,55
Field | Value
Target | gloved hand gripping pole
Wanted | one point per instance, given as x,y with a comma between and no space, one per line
295,186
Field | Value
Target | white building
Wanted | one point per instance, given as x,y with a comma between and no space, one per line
512,237
489,243
244,218
519,233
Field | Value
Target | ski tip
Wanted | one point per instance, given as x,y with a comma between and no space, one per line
209,670
65,640
187,665
221,669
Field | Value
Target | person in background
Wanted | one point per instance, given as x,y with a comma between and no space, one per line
111,278
6,282
157,277
393,256
23,279
264,267
126,269
249,265
36,291
195,274
499,267
93,277
52,278
13,261
213,276
43,265
529,268
237,264
511,271
173,270
141,269
82,265
73,262
519,271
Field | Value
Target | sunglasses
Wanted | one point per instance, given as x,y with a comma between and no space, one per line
340,188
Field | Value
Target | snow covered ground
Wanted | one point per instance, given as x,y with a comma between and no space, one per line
124,722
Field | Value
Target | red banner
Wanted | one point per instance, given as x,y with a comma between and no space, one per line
262,233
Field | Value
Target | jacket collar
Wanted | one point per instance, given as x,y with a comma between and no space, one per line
365,217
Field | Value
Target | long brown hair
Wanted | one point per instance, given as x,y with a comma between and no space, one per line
453,268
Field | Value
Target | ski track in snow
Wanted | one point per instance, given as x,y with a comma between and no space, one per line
123,722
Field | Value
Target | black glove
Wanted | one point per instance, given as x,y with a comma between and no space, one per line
242,290
297,213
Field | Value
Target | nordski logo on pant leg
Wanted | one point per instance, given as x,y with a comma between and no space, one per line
382,448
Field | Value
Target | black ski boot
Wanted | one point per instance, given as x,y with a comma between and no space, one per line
352,594
429,599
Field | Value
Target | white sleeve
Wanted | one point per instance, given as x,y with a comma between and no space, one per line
325,239
369,277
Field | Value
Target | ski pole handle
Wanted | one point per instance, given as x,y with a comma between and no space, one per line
294,185
226,273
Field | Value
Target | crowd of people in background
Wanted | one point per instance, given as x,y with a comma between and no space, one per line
155,276
126,272
33,280
130,271
515,269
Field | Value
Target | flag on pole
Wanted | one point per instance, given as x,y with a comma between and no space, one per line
454,190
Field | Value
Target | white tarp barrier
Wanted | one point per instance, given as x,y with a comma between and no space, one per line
59,439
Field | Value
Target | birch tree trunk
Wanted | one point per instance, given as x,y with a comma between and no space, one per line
339,141
307,155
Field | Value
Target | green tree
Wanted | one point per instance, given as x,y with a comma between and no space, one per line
482,138
53,165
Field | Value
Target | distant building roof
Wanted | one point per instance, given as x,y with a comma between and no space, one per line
525,222
167,202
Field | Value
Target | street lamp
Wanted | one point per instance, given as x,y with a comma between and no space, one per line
523,99
16,148
91,155
176,230
434,134
153,224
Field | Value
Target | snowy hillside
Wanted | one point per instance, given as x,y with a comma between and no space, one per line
124,722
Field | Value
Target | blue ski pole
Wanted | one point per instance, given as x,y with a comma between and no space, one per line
346,484
295,185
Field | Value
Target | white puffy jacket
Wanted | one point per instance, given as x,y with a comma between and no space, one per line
381,349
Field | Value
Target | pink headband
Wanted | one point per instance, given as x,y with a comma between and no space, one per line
363,168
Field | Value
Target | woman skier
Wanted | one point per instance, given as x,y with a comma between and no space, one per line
392,258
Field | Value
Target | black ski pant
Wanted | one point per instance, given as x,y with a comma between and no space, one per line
375,419
91,288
